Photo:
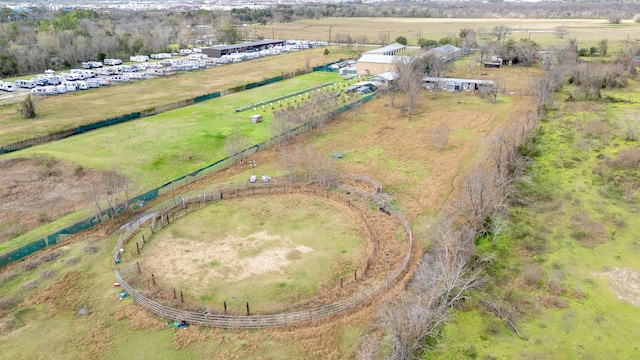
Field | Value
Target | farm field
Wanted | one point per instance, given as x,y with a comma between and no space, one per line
579,288
382,30
155,155
163,147
568,260
67,111
389,147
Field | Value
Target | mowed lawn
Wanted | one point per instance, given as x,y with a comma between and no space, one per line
67,111
268,251
587,31
160,148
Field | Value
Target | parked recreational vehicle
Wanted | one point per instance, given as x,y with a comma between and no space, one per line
7,86
26,84
93,83
160,56
138,75
112,62
129,68
139,58
54,80
197,56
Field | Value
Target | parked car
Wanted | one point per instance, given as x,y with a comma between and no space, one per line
364,90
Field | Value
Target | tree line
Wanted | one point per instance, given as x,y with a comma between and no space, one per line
473,9
41,39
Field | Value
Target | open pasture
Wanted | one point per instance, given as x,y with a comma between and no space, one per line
385,30
163,147
376,139
67,111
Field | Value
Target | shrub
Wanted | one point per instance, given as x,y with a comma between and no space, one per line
50,256
7,303
27,107
628,158
32,264
532,275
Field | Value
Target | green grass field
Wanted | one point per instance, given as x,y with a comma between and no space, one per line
582,235
166,146
62,112
270,252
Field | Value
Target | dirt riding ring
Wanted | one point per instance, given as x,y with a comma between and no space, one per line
265,254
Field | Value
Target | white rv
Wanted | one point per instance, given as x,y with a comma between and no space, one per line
6,86
139,58
26,84
112,62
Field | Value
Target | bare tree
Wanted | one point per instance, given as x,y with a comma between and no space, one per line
485,50
504,311
439,136
27,107
500,32
442,281
561,31
290,159
392,91
630,127
112,190
234,145
317,168
280,127
410,75
368,349
433,65
479,195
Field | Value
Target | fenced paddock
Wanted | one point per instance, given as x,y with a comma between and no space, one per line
283,97
162,214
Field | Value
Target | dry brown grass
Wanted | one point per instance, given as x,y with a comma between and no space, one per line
587,31
34,190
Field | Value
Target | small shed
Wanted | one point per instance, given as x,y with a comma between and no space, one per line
256,118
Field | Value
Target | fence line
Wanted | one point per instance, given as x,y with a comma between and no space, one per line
38,244
283,97
206,318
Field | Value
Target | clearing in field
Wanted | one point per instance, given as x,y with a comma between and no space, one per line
271,252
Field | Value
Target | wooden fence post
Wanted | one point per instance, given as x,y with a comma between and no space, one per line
153,278
225,308
138,247
181,296
248,313
174,293
143,238
139,271
341,282
355,275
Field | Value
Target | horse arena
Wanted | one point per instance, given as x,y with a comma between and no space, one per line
382,257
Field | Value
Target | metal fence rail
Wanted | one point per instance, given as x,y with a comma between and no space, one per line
254,105
228,321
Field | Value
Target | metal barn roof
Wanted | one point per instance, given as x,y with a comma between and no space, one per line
391,47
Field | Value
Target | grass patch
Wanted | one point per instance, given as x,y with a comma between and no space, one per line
54,115
562,251
155,154
270,254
